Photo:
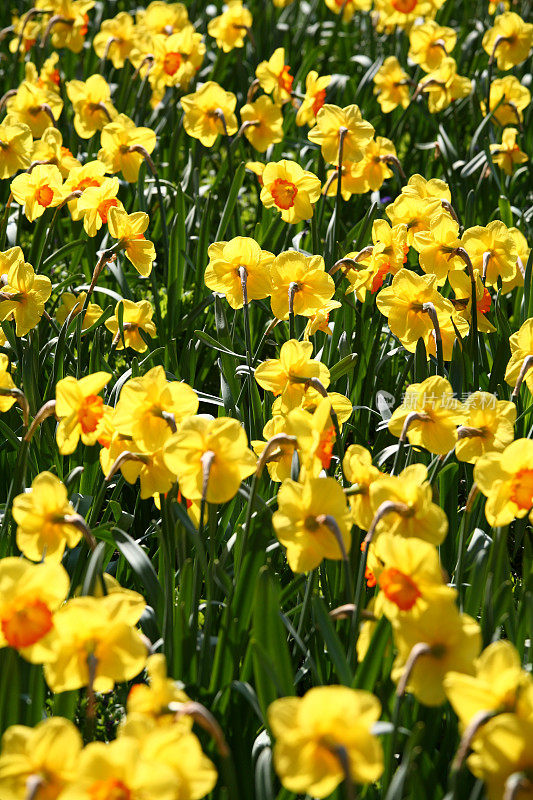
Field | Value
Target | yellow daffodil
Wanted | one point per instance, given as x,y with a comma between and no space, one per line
508,153
209,112
507,99
492,251
177,60
509,40
38,190
136,317
129,229
160,17
15,146
287,375
263,123
499,684
275,78
71,26
79,409
403,304
421,518
301,522
230,28
43,516
391,85
408,574
462,288
50,148
315,437
436,246
115,39
453,640
309,731
433,415
504,748
35,106
223,273
95,203
403,13
150,407
6,383
521,349
213,452
25,294
73,305
289,189
444,85
91,100
96,643
358,468
488,426
45,757
315,97
366,175
417,204
90,175
152,700
331,123
305,278
430,43
117,138
279,464
506,480
29,596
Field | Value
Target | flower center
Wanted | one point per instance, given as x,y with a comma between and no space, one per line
399,588
90,413
284,193
324,450
103,208
171,63
26,622
85,183
522,489
110,789
404,6
285,79
484,304
44,195
311,524
320,99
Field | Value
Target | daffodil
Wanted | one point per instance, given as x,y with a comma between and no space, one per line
315,437
36,106
91,100
508,153
287,376
358,468
366,175
38,190
305,279
45,757
314,99
230,28
507,100
92,174
506,480
499,684
209,112
44,519
129,229
521,349
79,409
150,408
417,204
301,522
71,25
437,245
391,85
73,305
310,730
96,643
50,148
275,78
432,414
136,317
415,514
289,189
462,288
453,643
509,40
334,124
211,455
95,203
15,146
488,426
160,17
430,43
152,700
443,85
231,263
492,250
403,13
6,383
279,463
29,596
24,294
115,39
177,60
262,122
117,139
